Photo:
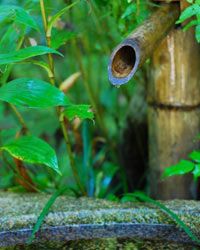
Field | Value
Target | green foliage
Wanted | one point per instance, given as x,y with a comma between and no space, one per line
23,54
192,11
89,30
11,13
33,150
60,38
81,111
127,14
196,171
185,166
32,93
55,18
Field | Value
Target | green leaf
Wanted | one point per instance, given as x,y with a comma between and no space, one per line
17,14
33,150
197,33
8,41
189,12
59,38
195,156
32,93
56,17
82,111
23,54
196,171
181,168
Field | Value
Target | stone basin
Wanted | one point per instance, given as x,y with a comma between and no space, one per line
86,223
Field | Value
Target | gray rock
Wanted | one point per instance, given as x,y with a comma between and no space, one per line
86,223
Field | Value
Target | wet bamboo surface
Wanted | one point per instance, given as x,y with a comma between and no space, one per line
176,71
174,111
172,136
139,46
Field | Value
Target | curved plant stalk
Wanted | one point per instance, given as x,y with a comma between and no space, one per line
20,119
61,118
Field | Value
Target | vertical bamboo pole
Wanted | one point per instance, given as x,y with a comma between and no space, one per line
174,111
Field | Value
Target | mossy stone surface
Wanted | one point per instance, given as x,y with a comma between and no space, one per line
93,223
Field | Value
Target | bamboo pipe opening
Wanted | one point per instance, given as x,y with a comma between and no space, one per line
124,62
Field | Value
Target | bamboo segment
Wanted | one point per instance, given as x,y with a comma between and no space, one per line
176,71
133,52
172,136
174,113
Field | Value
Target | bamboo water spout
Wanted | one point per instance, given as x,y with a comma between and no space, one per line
128,56
173,94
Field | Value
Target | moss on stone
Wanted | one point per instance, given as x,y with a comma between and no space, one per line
20,211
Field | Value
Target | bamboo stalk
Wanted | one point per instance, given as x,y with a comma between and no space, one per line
174,115
128,56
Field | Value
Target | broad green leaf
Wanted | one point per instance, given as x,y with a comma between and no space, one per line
183,167
82,111
59,38
32,150
17,14
195,156
56,17
189,12
197,33
32,93
196,171
8,43
23,54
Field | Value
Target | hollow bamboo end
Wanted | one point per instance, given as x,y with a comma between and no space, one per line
124,62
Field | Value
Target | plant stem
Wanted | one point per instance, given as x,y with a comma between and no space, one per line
44,18
62,123
21,180
20,118
89,91
69,150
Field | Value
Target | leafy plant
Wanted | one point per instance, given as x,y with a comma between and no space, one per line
35,93
192,165
193,11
